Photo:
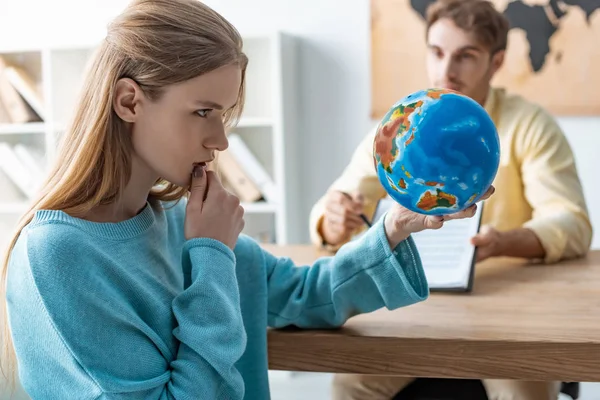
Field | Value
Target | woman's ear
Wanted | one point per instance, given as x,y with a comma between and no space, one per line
127,98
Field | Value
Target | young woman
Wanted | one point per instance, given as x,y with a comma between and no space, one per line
116,290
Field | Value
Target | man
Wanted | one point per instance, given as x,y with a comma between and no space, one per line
538,210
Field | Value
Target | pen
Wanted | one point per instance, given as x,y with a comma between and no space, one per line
362,216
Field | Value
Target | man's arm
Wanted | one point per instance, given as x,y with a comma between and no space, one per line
360,166
520,242
552,187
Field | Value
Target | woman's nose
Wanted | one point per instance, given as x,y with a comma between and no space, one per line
218,139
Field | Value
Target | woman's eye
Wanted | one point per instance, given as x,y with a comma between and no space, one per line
203,113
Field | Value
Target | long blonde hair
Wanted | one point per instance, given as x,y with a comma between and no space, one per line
156,43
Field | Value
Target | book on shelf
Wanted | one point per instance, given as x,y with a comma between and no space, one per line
235,178
31,159
4,115
19,95
26,86
10,193
253,168
447,254
19,165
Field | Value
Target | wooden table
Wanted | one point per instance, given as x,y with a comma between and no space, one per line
531,322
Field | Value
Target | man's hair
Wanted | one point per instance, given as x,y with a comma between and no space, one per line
479,17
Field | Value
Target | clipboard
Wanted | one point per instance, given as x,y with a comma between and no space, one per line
447,255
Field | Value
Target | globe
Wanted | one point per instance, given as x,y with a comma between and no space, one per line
436,151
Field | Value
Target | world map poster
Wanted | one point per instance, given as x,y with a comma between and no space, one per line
553,55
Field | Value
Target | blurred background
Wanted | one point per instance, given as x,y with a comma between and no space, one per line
309,104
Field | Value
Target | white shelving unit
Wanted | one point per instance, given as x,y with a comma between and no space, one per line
267,125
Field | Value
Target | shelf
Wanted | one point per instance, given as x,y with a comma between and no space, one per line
267,126
260,207
247,122
20,129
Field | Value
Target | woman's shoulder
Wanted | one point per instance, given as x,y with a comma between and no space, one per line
58,236
46,244
51,230
48,254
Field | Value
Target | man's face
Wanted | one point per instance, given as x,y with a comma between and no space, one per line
457,60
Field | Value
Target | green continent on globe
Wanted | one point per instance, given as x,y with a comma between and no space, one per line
397,125
429,200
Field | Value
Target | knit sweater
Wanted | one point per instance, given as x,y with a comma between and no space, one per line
133,310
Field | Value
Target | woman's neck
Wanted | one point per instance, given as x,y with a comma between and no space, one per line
132,200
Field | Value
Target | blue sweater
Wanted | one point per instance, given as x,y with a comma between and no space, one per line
131,310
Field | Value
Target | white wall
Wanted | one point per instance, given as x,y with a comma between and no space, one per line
584,136
334,72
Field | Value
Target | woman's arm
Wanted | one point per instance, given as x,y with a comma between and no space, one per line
362,277
381,269
75,334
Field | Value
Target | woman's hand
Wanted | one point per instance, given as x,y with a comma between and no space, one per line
400,222
212,212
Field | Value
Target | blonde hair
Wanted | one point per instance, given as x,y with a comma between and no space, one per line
155,43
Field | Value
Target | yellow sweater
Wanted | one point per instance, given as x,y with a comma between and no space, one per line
537,185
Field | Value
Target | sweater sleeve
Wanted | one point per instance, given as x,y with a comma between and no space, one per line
363,276
66,317
211,330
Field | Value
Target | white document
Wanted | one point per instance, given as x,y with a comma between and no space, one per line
447,255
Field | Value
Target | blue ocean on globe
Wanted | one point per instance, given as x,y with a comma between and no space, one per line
436,151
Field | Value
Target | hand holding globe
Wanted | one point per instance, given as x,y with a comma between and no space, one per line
400,222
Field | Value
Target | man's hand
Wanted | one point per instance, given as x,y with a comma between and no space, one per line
520,242
489,243
342,217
